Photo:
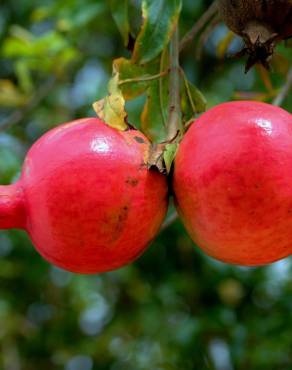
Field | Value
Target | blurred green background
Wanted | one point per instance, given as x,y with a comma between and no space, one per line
174,308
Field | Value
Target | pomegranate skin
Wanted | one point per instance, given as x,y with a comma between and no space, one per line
90,203
233,182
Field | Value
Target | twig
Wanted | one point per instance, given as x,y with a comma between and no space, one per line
19,115
205,18
162,60
279,99
145,78
205,35
174,118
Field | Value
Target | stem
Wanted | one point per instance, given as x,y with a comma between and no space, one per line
206,34
285,90
205,18
162,62
174,118
12,214
143,79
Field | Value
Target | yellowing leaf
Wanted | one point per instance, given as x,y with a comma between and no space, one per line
132,77
111,109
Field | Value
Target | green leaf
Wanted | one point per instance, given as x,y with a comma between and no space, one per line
23,75
155,112
77,16
160,18
169,155
152,121
192,101
111,109
119,10
49,53
10,96
133,78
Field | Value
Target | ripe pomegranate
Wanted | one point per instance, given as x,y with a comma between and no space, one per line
233,182
86,197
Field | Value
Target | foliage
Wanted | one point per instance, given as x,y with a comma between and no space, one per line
174,308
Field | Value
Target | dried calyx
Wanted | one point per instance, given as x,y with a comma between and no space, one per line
261,24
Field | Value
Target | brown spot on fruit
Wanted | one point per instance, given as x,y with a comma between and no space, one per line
132,181
121,220
139,139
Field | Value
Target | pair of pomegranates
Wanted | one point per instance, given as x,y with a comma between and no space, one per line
90,204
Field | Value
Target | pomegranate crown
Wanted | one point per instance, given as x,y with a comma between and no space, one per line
260,42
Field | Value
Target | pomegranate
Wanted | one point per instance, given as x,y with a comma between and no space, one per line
233,182
261,24
86,197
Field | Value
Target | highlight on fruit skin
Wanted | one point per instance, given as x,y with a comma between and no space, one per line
233,182
261,24
86,197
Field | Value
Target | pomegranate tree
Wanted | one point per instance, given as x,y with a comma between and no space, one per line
93,193
86,197
233,182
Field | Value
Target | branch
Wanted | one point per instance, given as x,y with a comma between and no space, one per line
174,118
205,18
162,60
19,115
279,99
205,35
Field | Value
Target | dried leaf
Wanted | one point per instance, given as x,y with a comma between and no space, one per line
111,109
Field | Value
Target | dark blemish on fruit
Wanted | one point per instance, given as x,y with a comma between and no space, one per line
139,139
132,181
122,218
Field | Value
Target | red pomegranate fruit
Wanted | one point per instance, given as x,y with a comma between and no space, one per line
233,182
86,197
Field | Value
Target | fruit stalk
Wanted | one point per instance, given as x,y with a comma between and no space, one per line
209,14
174,118
11,207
